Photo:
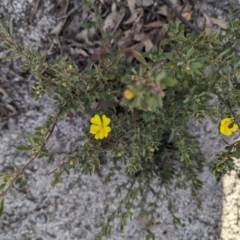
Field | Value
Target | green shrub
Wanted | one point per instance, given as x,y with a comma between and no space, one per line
140,114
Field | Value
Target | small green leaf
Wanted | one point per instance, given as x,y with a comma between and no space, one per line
106,208
195,65
106,77
165,42
140,58
44,150
10,27
236,92
181,37
4,59
166,26
126,79
88,25
34,136
160,77
148,116
50,92
235,154
189,53
22,182
225,52
23,148
1,206
170,82
176,220
2,186
116,60
171,135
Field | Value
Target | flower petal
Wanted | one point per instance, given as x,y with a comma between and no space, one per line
225,130
94,129
234,128
100,134
105,120
106,131
226,120
96,120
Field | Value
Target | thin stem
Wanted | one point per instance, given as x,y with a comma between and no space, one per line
59,167
35,155
226,104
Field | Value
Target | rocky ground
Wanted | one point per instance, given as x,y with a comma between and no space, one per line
42,212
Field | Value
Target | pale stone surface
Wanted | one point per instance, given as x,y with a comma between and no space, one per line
230,229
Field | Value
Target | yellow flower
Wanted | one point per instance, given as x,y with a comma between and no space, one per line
228,127
129,94
99,127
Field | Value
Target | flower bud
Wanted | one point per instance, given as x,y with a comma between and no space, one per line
151,149
43,131
65,84
71,162
119,154
128,94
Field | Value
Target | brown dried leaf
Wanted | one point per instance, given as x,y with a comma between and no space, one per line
136,17
187,15
73,26
63,4
132,18
56,30
208,24
128,33
144,3
80,51
175,2
35,8
125,42
148,45
220,22
131,5
163,10
140,37
86,36
112,19
137,47
154,24
100,54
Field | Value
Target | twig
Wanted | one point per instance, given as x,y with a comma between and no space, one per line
59,167
178,15
226,104
35,8
12,72
66,15
118,23
35,155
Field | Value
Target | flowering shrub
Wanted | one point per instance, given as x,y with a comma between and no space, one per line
186,77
